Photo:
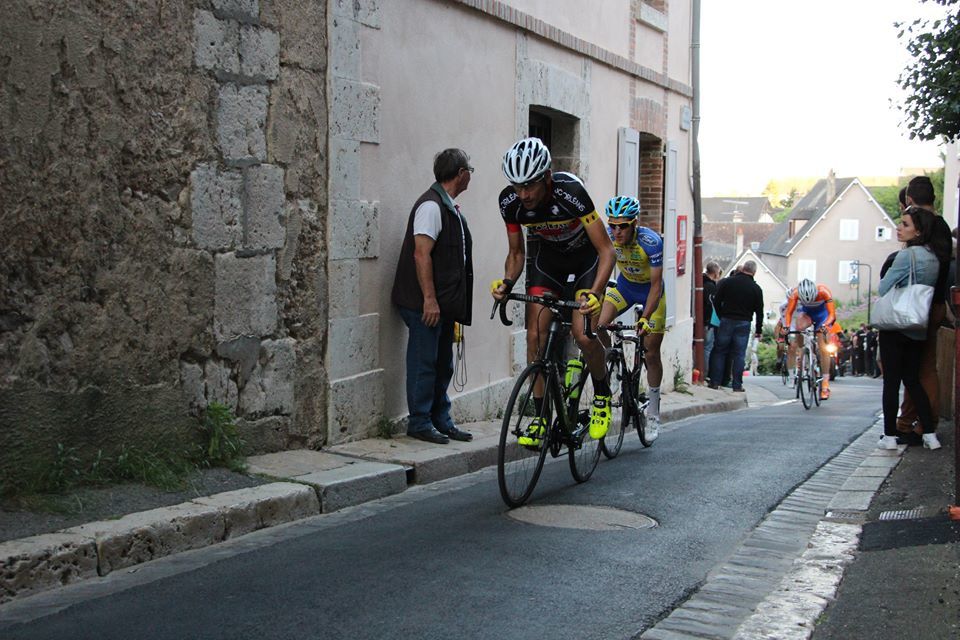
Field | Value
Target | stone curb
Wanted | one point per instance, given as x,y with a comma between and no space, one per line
360,472
46,561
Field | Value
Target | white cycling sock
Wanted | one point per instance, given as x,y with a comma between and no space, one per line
653,409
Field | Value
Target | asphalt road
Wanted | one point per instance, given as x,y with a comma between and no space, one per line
445,560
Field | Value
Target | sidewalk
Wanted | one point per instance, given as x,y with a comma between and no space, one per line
785,582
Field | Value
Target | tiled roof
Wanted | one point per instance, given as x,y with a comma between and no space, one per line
722,209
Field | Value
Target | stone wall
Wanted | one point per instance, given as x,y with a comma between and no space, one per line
163,186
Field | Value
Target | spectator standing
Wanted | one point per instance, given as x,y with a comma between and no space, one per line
870,351
710,277
859,350
902,351
919,193
433,290
737,300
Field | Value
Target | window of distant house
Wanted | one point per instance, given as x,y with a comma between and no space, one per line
844,271
849,229
807,269
883,234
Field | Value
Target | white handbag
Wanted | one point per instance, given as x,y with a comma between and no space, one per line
904,308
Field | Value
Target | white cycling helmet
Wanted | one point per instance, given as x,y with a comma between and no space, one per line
807,291
526,161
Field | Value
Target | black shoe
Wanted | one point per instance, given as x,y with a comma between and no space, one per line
430,435
713,386
739,389
457,434
910,438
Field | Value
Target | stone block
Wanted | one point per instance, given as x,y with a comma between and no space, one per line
269,389
345,48
220,386
354,406
296,213
245,10
354,229
241,123
355,110
345,296
263,207
296,133
366,12
259,53
355,483
354,345
246,510
216,43
216,206
192,386
304,29
265,435
245,296
344,169
146,535
46,561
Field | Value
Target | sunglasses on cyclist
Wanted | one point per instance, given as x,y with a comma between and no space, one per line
620,225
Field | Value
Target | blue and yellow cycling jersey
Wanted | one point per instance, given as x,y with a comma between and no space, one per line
636,259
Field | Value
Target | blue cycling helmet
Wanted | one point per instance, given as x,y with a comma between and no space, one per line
623,207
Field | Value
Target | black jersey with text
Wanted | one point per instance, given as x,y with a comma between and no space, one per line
561,221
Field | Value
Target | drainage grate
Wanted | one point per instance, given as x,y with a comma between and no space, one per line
852,517
903,514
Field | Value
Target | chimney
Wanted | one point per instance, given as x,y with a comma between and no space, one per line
831,187
739,241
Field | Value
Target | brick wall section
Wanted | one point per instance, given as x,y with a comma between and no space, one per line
651,184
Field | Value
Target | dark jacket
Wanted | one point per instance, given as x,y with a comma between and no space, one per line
452,257
738,297
709,290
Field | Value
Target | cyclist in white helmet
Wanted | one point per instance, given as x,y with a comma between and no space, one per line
565,243
816,307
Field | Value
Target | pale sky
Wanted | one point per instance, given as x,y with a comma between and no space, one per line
793,89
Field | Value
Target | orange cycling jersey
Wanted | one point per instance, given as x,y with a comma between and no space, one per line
824,300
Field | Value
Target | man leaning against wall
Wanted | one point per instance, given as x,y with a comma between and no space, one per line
433,290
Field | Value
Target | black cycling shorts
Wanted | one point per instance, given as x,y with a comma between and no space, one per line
563,274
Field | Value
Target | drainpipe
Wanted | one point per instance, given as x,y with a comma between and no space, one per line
698,328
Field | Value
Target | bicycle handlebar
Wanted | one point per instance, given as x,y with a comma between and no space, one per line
554,304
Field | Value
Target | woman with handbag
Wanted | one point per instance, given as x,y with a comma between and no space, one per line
906,289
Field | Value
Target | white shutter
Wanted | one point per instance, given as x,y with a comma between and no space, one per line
628,164
670,231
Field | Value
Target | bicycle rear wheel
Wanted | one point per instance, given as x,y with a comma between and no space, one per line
803,382
612,442
584,451
784,373
519,467
637,405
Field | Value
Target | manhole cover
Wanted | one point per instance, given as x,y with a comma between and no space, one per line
570,516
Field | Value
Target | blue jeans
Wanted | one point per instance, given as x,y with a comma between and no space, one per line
708,340
730,341
429,371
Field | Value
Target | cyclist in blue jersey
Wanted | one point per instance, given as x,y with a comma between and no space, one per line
565,244
639,252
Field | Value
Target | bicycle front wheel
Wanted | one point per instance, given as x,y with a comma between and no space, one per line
815,381
803,381
637,405
519,467
584,451
611,443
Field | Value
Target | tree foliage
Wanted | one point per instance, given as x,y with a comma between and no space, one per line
932,106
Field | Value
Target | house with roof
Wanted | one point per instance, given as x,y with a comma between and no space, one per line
723,242
774,289
737,209
834,225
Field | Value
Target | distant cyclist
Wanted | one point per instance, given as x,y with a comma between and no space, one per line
639,252
565,243
816,307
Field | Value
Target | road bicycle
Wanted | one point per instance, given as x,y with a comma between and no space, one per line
567,424
808,379
784,369
625,365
